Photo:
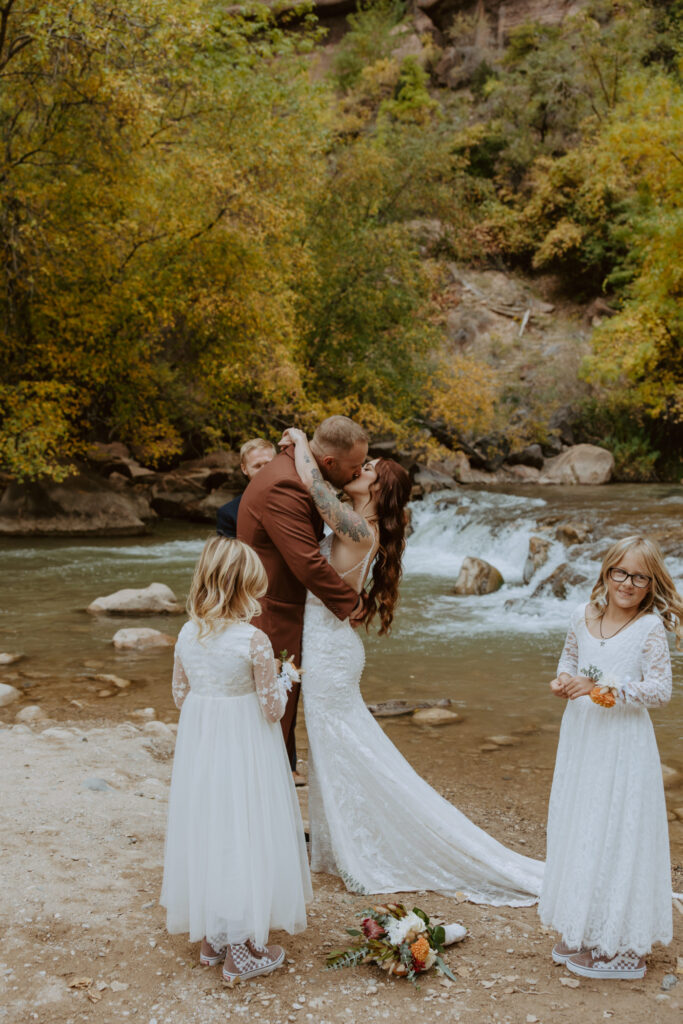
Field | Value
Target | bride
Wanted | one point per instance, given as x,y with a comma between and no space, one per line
373,820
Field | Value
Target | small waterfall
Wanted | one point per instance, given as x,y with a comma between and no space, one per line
447,527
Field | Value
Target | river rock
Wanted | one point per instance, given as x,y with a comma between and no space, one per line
141,639
56,733
158,729
209,505
522,474
111,680
559,580
10,659
669,775
157,597
391,708
503,741
394,708
429,479
83,504
96,784
477,577
536,557
531,456
572,533
435,716
115,458
8,694
31,713
581,464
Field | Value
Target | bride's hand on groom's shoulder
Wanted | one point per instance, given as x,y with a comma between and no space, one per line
290,436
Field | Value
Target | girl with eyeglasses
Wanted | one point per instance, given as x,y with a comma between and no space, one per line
607,881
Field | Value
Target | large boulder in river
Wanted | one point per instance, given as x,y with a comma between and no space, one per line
157,597
477,577
559,581
536,557
582,464
142,639
82,505
572,533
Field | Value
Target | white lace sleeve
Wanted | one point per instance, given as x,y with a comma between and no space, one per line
569,659
654,689
181,684
271,692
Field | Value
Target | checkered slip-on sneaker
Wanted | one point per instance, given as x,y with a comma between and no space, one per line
207,960
562,952
590,964
246,960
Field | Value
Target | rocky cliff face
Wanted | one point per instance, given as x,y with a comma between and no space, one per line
496,18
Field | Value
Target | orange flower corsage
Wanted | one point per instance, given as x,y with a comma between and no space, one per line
603,696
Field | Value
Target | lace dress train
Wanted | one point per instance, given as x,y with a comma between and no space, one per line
374,821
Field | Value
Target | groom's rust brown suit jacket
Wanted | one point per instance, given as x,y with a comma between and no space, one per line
278,519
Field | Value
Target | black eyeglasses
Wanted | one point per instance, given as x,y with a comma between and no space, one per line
638,579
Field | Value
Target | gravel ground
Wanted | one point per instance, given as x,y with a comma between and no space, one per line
84,809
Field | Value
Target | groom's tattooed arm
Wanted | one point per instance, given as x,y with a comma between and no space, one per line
342,519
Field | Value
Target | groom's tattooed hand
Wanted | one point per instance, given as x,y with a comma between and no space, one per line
342,519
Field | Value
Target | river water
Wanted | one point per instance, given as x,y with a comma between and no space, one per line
493,655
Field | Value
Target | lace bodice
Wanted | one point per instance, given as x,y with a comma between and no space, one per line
231,663
636,660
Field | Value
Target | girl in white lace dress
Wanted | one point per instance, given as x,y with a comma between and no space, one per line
607,882
235,863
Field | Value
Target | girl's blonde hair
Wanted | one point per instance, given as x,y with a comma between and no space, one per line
661,596
227,583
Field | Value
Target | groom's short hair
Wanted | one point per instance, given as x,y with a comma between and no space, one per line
337,434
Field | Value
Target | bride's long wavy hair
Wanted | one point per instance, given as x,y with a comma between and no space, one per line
391,492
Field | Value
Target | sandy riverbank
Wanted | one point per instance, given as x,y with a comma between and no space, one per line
83,817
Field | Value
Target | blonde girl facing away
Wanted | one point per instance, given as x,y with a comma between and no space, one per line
235,864
607,882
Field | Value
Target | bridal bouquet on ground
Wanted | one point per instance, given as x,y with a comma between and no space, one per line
400,941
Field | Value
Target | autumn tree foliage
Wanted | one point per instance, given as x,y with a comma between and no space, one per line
201,239
154,165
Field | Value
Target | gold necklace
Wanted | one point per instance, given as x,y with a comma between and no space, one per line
602,635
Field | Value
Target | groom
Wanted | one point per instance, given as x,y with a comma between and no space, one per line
278,519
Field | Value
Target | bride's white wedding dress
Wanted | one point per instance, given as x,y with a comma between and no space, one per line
373,820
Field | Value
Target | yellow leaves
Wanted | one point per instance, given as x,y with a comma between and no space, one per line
558,243
35,429
463,394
